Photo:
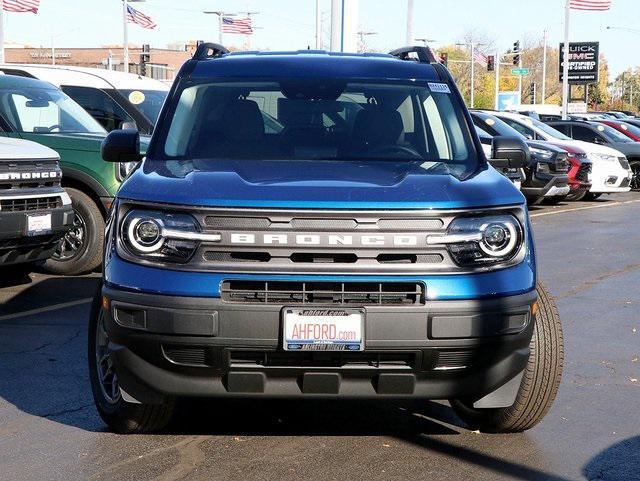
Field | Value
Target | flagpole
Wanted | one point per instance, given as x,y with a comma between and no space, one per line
1,31
496,65
544,67
565,67
125,44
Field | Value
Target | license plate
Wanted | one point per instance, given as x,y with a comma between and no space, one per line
318,329
38,224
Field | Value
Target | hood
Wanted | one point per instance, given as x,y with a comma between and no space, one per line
82,142
19,149
629,149
590,148
66,141
315,184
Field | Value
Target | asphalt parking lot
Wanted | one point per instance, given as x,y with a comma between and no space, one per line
589,259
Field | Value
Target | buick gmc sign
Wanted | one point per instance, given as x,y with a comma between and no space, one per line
583,62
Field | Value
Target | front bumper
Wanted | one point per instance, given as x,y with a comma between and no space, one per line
186,346
17,247
609,177
546,185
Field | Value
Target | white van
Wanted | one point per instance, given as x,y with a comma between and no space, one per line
110,97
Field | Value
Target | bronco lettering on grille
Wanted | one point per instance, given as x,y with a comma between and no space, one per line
324,239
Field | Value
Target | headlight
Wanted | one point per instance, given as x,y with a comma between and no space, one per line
543,168
482,240
541,153
160,236
124,169
603,157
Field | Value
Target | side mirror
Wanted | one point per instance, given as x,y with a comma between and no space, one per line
512,151
121,146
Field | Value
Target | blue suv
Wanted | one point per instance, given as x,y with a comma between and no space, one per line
320,225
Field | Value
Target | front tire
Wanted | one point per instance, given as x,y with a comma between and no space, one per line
592,196
80,250
635,179
539,384
121,416
575,196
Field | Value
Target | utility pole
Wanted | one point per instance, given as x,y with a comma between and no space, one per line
1,33
220,15
473,74
53,52
318,26
520,76
497,69
565,67
544,67
409,38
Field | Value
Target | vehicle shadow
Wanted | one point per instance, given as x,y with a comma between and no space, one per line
621,461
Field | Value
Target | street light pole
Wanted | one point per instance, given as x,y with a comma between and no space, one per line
220,15
496,64
409,33
565,66
318,26
473,72
1,33
544,68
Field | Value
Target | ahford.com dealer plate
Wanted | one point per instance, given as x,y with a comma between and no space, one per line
318,329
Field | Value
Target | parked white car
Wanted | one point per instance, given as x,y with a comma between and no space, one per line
112,98
608,174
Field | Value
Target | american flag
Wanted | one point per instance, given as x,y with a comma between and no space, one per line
21,5
590,4
480,58
237,25
133,16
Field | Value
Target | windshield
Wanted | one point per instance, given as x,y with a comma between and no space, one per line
149,102
331,119
495,126
612,134
45,111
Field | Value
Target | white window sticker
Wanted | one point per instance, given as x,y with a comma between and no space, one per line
439,88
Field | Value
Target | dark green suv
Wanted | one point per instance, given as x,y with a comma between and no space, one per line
36,110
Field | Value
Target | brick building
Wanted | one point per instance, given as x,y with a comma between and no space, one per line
163,64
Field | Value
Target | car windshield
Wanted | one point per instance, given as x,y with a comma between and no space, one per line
149,102
44,111
612,134
331,119
495,126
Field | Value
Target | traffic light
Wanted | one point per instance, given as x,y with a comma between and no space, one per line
491,63
444,58
145,58
516,51
532,93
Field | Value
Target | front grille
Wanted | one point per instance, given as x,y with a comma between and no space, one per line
325,359
326,293
562,165
624,162
583,172
29,205
323,241
23,170
186,355
454,359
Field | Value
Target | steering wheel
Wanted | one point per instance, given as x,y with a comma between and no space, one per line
396,149
54,127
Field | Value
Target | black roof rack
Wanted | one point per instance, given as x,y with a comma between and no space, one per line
422,54
209,50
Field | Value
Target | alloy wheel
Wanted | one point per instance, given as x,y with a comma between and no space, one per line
71,245
635,179
107,377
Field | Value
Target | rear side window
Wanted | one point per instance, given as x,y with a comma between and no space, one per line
99,105
586,134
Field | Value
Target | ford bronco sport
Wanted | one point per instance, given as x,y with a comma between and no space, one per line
35,110
35,211
320,225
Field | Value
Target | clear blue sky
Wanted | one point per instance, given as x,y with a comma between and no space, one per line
290,24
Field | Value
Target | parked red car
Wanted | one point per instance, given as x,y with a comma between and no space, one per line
631,131
579,183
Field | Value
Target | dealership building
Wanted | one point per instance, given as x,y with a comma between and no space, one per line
161,64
